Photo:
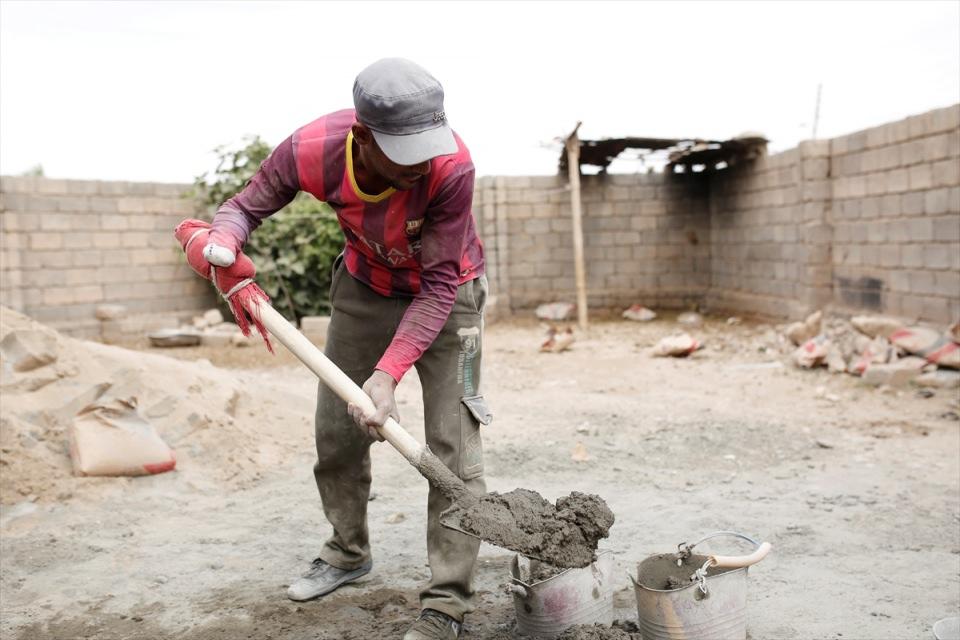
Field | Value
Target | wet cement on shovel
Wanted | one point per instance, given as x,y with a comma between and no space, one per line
564,535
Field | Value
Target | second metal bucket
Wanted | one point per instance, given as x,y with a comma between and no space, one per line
712,606
546,608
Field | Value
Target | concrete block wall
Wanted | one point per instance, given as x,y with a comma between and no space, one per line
896,217
866,222
771,244
70,245
646,239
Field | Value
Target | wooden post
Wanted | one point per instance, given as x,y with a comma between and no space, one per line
573,167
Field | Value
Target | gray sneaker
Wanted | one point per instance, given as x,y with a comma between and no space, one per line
322,578
433,625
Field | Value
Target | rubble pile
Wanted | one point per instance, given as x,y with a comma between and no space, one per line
881,350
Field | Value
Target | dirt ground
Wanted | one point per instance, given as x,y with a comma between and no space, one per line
858,490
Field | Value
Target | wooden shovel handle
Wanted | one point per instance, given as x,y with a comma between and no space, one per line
735,562
331,375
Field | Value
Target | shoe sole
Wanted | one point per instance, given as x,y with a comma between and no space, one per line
353,576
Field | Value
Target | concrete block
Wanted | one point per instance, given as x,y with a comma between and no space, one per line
897,180
894,374
878,136
50,186
869,208
890,206
45,240
922,282
871,254
536,226
80,276
913,203
920,176
55,296
55,221
935,201
130,205
889,255
899,131
937,147
876,232
83,187
946,173
912,152
857,186
937,256
888,157
899,279
114,222
134,239
103,205
947,282
945,119
544,210
947,229
921,230
876,183
88,293
86,258
106,239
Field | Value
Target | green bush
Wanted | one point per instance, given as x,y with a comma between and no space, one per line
293,249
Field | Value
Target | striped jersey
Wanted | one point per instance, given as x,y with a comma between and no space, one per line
420,243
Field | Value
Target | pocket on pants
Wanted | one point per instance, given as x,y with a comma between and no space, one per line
473,413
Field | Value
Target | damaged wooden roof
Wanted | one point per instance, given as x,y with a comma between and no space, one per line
687,153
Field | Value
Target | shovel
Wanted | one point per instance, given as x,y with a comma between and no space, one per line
564,535
520,520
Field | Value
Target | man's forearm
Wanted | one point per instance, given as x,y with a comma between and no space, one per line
272,188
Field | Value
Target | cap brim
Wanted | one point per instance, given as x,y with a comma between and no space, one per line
415,148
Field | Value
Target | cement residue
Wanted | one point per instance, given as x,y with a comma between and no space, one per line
443,479
564,535
597,632
540,571
661,572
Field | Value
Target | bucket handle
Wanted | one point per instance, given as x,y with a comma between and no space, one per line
731,562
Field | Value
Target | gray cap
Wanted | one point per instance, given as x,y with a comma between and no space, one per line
402,105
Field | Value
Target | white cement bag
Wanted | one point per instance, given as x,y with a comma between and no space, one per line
928,343
678,346
113,439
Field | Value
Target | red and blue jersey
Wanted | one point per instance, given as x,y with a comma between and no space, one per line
420,243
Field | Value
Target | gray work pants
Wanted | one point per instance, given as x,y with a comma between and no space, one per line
362,325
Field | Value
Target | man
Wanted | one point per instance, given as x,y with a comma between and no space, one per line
408,290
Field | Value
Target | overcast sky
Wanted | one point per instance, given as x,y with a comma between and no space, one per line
145,91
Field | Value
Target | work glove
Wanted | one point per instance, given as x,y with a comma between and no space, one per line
380,387
220,249
234,282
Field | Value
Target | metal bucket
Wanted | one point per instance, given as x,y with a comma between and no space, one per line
546,608
713,607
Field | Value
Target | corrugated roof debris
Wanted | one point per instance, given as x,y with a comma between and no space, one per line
683,154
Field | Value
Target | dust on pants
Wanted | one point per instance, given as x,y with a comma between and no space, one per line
361,327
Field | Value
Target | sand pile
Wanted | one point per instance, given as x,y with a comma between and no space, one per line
225,427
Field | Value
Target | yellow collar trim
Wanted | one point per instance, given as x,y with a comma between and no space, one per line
353,181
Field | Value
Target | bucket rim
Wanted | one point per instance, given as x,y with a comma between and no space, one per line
515,580
638,585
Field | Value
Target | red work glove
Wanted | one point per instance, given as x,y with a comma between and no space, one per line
234,282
